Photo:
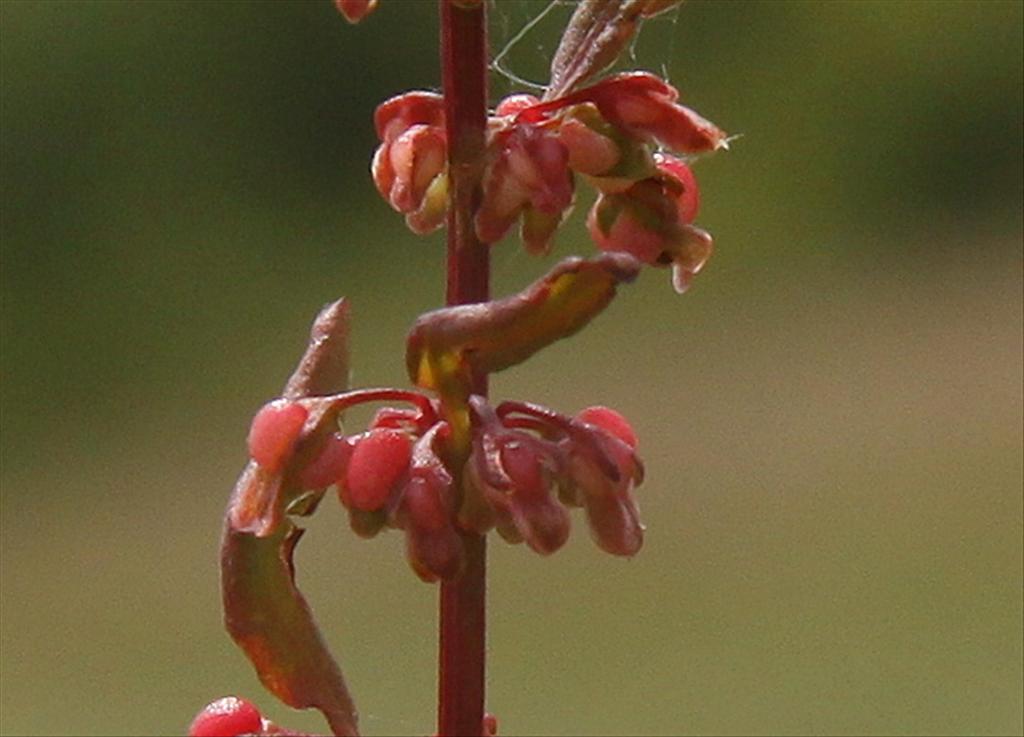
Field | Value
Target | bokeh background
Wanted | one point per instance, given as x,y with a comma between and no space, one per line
832,418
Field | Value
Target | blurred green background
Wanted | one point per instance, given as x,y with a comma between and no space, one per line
831,418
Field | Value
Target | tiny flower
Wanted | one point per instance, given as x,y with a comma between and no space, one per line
612,513
528,170
426,511
409,167
652,221
516,474
522,453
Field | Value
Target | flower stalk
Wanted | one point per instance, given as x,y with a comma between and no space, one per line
463,601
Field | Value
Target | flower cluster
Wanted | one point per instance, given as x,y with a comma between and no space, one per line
613,134
527,465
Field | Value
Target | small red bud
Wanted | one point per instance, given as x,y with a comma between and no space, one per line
226,717
355,10
329,466
433,547
689,196
515,104
274,431
611,421
380,459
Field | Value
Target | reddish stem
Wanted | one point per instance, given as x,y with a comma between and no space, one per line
464,67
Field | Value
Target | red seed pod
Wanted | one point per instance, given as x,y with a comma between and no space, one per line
226,717
379,461
274,431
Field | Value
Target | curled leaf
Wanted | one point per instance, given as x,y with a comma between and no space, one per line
446,347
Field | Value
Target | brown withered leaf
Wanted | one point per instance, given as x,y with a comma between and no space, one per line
597,33
263,610
448,346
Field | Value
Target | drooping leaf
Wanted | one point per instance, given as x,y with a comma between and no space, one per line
270,620
263,610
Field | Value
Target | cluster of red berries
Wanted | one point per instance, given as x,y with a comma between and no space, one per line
613,134
527,464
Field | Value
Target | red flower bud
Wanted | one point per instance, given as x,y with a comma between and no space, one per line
227,717
274,432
